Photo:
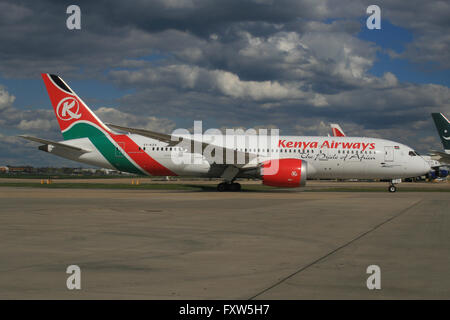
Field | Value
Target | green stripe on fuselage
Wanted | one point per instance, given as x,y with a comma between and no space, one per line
114,156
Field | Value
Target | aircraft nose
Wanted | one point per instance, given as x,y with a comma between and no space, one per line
426,166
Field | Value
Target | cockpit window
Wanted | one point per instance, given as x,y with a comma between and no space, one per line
412,154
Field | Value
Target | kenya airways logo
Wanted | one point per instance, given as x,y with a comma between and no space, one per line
68,109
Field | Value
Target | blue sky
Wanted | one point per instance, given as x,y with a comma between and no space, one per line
396,38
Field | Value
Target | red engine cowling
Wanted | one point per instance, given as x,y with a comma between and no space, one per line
284,173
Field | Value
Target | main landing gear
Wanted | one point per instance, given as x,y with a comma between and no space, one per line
392,188
228,186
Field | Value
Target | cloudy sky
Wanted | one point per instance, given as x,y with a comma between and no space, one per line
292,64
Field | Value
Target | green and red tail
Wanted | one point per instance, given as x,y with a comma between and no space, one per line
73,115
77,121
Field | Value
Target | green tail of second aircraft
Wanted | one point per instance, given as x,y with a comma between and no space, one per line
443,128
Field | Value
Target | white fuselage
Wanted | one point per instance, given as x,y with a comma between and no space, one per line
327,157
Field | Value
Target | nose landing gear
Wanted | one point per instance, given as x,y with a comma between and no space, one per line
228,186
392,188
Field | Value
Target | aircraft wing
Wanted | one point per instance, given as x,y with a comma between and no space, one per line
54,143
174,140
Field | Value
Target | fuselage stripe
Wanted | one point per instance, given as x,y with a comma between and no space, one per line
118,150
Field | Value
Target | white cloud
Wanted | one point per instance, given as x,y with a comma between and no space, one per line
229,84
37,124
200,79
6,99
23,119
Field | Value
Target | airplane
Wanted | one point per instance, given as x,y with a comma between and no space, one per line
337,130
287,163
438,170
443,129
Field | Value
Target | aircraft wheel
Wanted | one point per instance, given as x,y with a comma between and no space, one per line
392,188
221,187
235,187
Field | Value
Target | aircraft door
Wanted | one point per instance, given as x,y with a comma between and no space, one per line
389,153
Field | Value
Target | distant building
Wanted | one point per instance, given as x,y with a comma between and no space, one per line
108,171
21,169
58,171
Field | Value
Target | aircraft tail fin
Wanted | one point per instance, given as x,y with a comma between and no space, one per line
75,118
443,128
337,130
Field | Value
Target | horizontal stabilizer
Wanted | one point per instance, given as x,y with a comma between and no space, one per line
54,143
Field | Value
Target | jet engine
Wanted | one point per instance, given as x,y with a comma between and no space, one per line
284,173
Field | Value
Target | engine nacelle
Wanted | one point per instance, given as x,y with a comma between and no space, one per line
284,173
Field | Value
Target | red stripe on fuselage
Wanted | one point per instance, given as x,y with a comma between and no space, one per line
141,158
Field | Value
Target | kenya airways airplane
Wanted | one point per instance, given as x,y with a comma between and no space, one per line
287,163
438,169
